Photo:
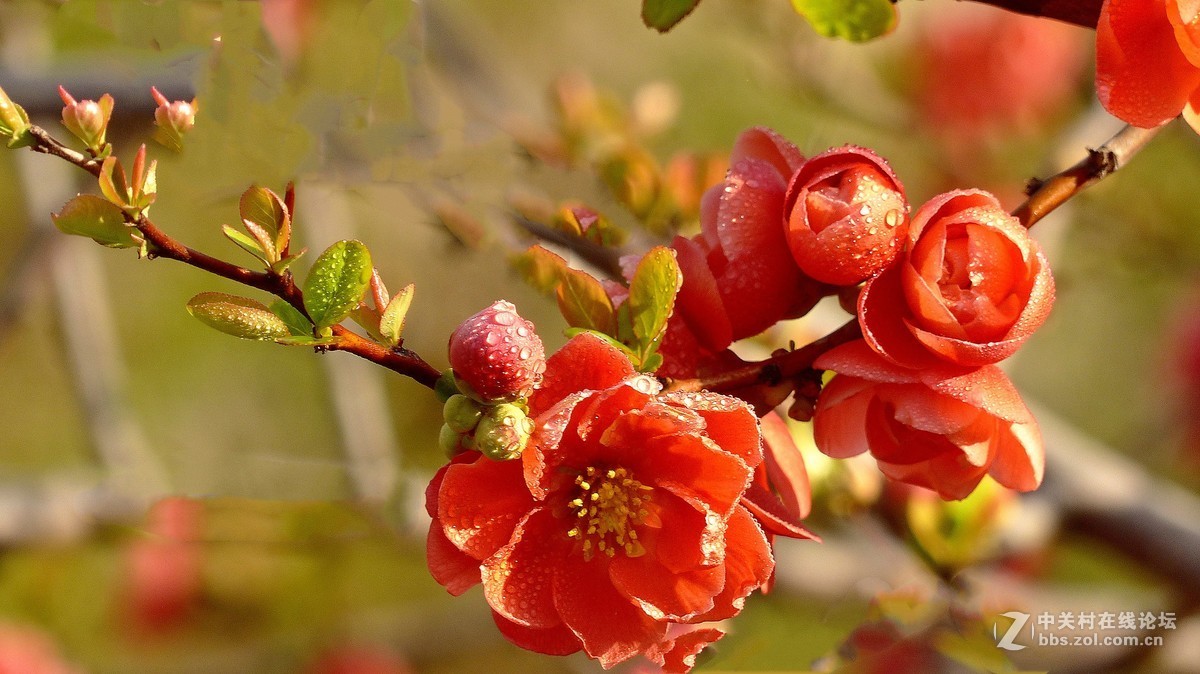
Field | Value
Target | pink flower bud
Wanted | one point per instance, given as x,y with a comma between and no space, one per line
87,119
497,353
174,118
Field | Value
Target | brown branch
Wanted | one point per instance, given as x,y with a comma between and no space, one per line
1084,13
1047,195
604,258
399,360
773,370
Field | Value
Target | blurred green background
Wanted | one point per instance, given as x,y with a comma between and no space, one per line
383,113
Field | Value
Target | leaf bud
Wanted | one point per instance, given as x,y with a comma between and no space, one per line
503,432
461,413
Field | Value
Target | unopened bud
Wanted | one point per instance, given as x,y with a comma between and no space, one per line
450,441
14,123
446,386
461,413
503,432
87,119
174,118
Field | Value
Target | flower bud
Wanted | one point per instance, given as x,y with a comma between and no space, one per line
446,386
87,119
846,215
497,354
13,120
503,433
450,441
461,413
174,118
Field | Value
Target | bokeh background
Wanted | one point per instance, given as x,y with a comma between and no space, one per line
415,128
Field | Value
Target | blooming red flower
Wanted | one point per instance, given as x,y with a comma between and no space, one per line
971,287
1148,60
933,428
845,210
624,516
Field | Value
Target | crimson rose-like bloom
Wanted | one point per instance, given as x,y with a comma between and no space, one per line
1148,60
971,287
935,429
623,517
845,211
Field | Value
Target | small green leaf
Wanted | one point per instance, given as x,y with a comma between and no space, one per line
112,182
541,268
264,208
265,240
391,324
651,362
853,20
583,302
337,282
652,297
97,219
297,323
245,243
282,265
662,15
237,316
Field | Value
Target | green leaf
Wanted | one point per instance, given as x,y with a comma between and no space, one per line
297,323
853,20
662,15
245,243
337,282
262,207
237,316
652,297
651,362
541,268
97,219
583,302
391,324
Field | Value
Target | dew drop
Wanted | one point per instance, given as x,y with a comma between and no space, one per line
864,210
505,318
492,339
525,353
892,218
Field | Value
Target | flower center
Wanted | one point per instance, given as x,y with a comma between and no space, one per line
609,506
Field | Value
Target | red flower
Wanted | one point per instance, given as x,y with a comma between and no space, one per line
970,289
1148,60
845,210
26,650
938,429
623,517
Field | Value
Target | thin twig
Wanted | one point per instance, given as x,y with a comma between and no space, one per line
400,360
1047,195
773,370
608,260
1084,13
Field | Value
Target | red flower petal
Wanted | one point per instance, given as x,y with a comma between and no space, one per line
699,301
840,419
729,422
1142,75
1184,16
611,627
952,475
771,514
678,655
1020,457
584,363
700,473
518,579
663,594
556,640
882,312
986,388
452,568
765,144
479,504
785,466
748,565
685,537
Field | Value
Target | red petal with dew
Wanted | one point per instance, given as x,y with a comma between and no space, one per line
518,580
610,626
785,466
556,640
1020,457
748,565
479,504
452,568
663,594
678,655
586,362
